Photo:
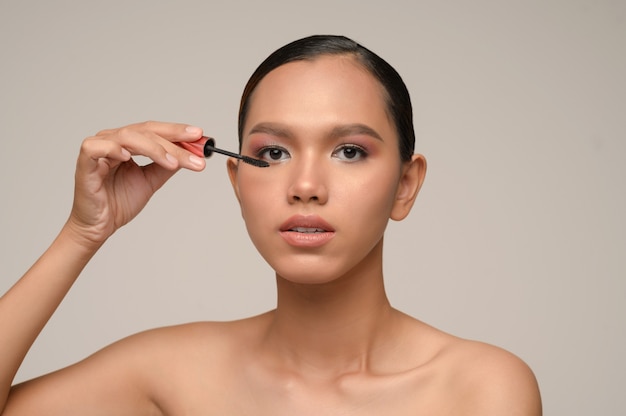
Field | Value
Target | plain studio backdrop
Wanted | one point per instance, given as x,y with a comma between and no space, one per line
517,239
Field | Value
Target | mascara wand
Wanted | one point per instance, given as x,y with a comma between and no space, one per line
209,148
205,146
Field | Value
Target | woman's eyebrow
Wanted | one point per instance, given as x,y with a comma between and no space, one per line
271,129
354,130
344,130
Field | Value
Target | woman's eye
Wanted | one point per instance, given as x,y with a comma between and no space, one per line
273,154
350,152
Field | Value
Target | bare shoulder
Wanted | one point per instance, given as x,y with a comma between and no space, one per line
207,336
491,380
146,373
182,350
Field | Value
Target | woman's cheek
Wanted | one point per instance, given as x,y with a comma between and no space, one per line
258,195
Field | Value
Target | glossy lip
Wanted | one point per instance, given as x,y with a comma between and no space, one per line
301,239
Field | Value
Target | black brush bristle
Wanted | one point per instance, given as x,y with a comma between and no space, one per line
209,148
255,162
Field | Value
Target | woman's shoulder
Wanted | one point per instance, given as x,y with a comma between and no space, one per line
498,379
476,363
203,334
187,353
491,379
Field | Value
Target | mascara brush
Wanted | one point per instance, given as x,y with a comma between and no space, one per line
205,146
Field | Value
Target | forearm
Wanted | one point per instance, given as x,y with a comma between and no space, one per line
110,190
29,304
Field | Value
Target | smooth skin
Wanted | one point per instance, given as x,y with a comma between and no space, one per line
333,345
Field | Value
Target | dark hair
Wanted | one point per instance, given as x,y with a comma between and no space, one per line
309,48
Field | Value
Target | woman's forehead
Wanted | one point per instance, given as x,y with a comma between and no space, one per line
319,91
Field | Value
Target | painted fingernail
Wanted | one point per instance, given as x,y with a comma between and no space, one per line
195,160
171,159
193,130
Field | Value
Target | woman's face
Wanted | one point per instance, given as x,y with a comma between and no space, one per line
335,175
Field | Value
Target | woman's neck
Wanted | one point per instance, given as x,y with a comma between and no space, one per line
333,329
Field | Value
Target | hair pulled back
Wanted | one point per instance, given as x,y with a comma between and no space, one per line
398,100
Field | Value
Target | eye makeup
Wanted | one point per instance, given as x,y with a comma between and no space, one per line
205,146
350,152
273,153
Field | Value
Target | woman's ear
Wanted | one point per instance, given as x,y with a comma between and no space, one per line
233,167
411,180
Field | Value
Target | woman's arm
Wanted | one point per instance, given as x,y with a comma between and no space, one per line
27,306
110,189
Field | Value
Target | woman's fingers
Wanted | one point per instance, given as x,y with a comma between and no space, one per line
156,140
111,188
94,148
170,131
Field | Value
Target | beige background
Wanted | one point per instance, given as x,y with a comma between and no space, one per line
518,238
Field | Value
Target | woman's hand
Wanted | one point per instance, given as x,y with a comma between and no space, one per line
111,189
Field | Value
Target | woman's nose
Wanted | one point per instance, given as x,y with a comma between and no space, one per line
308,184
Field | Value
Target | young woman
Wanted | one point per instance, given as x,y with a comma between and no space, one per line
334,121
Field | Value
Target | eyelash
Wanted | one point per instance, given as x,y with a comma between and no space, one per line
361,153
262,153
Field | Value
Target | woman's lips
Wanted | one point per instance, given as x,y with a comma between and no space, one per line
306,231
